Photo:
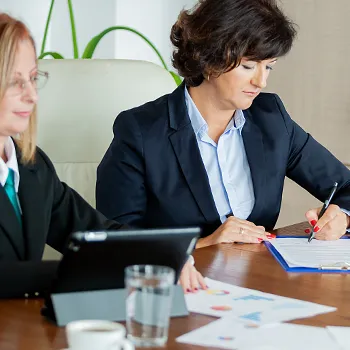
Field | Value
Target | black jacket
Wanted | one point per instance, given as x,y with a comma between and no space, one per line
51,211
153,175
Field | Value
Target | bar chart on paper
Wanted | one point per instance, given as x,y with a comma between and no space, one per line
222,299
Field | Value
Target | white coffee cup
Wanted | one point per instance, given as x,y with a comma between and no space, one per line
97,335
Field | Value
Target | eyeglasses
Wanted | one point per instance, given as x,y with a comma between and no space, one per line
38,81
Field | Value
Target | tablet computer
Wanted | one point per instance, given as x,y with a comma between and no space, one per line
96,260
90,277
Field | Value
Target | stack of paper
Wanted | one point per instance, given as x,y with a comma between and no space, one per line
341,336
297,252
230,333
250,321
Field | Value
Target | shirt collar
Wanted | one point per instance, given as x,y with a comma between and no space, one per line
11,163
198,122
238,121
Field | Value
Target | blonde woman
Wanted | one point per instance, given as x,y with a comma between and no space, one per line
35,206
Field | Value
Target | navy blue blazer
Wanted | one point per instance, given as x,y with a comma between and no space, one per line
152,174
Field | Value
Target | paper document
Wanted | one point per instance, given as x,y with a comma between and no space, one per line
252,306
297,252
342,336
230,333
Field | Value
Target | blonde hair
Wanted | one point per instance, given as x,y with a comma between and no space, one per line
12,31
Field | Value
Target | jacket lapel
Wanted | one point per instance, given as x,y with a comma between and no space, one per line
10,225
32,198
254,147
186,149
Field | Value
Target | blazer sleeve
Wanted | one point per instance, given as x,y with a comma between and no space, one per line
120,189
70,212
312,166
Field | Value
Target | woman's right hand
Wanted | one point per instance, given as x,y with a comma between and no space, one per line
191,279
236,230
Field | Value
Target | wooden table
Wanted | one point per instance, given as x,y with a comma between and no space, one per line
251,266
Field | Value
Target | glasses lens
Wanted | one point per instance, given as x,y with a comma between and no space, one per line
41,80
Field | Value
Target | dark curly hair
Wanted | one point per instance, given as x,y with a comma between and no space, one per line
215,35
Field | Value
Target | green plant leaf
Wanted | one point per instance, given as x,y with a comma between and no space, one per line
47,28
92,44
176,77
55,55
90,47
74,33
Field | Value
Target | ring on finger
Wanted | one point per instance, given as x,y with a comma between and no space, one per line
241,231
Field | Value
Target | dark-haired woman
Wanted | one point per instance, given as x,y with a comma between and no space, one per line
215,152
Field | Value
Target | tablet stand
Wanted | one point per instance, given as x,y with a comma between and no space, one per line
100,304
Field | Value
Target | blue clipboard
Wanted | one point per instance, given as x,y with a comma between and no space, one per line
341,269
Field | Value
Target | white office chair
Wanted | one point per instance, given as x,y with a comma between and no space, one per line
77,108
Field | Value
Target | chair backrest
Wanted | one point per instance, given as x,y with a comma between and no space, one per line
77,108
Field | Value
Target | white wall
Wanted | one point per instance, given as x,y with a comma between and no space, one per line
153,18
33,16
89,20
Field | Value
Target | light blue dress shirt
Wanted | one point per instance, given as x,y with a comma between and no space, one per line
226,164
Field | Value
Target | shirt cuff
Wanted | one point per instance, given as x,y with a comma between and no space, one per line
191,260
347,212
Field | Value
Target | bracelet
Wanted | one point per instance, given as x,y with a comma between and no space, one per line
191,260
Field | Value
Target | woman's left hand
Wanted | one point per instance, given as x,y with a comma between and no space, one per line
331,226
190,279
